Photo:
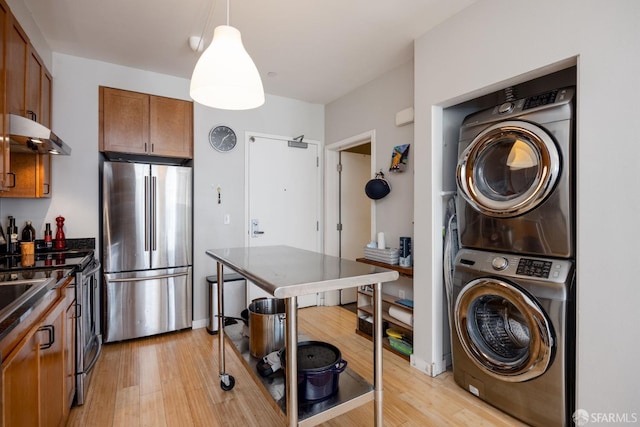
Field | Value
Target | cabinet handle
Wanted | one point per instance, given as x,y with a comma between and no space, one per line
52,336
14,180
48,187
32,115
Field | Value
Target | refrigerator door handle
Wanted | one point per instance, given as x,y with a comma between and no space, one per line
144,279
154,236
146,213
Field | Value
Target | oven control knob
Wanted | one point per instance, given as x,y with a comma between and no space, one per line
499,263
505,108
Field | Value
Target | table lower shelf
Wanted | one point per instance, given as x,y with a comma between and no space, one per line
353,390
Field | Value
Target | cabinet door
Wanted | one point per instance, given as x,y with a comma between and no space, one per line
45,98
43,175
20,383
32,176
4,141
33,90
16,66
124,123
171,127
52,365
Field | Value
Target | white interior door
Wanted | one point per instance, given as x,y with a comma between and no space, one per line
355,211
283,198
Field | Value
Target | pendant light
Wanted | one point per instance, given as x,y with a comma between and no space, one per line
225,76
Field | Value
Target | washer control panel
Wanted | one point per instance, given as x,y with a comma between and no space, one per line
534,268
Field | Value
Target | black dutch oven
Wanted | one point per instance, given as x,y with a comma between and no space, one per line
319,367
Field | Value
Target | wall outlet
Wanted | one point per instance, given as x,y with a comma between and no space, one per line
401,293
227,219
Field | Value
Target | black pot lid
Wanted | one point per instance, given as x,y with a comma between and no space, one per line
316,356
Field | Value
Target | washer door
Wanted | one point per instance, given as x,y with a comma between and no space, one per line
503,330
508,169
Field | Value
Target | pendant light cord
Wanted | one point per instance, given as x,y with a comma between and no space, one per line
227,13
206,24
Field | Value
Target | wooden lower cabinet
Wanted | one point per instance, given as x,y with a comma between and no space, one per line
20,383
52,379
35,374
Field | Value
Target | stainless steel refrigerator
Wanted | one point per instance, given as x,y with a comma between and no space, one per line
147,249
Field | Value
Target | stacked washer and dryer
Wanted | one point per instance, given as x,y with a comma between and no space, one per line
512,296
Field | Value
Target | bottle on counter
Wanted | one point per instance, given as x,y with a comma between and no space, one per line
28,233
60,242
3,241
12,237
48,237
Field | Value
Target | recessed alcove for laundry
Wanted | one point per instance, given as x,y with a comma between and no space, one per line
554,76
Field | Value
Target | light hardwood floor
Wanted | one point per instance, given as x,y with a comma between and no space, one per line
171,380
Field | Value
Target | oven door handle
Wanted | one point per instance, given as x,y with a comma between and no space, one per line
91,364
92,271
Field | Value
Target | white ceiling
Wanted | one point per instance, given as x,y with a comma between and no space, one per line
311,50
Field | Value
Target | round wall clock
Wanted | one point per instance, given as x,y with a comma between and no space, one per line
222,138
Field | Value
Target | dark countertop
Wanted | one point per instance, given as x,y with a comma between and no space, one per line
58,264
21,312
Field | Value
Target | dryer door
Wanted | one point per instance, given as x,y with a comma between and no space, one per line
508,169
503,330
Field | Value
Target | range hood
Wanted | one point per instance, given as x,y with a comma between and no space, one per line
27,136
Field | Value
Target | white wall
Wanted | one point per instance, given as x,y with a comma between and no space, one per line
76,177
279,116
494,44
373,107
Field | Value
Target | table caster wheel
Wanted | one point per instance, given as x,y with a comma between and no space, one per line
228,384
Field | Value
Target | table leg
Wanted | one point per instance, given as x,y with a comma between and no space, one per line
291,344
377,353
221,322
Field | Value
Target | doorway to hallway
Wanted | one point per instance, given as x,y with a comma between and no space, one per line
354,160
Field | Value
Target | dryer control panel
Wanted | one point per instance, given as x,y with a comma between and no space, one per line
515,266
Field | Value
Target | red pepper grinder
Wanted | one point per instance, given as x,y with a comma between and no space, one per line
60,240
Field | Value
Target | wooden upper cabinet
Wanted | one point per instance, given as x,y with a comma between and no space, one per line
27,86
138,123
4,141
16,68
38,90
124,121
30,176
28,83
46,99
171,127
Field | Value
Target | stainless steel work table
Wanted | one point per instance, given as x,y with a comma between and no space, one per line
288,273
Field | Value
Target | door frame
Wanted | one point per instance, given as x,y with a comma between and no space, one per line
332,187
247,136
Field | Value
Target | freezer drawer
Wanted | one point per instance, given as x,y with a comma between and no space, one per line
141,304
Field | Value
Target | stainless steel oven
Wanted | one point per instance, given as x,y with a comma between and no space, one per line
88,330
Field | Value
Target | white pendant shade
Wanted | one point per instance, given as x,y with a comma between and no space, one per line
225,76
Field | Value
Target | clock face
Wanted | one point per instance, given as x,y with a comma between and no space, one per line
222,138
